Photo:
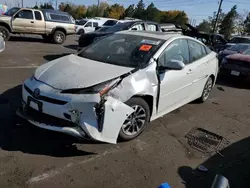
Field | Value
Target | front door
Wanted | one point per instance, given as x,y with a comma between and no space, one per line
175,85
89,27
23,22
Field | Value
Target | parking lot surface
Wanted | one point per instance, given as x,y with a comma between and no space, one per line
32,157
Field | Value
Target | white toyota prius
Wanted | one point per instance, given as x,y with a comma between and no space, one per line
116,86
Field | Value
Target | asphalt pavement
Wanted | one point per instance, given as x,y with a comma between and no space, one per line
34,158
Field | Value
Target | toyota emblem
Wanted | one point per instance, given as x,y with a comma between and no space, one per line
36,93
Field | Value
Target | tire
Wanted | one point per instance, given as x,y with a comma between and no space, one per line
81,32
59,37
206,91
5,33
127,130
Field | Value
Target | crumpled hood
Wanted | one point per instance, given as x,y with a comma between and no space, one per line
72,71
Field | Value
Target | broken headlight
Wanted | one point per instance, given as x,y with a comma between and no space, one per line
101,88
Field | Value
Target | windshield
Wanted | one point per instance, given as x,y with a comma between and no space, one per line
11,11
102,29
82,22
123,50
120,27
110,23
239,48
239,40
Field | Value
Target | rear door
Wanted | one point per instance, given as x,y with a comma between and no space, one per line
39,22
199,70
23,22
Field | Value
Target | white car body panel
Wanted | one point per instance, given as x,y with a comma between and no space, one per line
175,89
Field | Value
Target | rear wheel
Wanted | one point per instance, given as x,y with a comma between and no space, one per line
59,37
206,91
81,31
5,33
136,123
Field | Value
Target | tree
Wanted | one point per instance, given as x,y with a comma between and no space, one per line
152,13
140,10
61,6
68,9
103,6
174,16
227,24
247,24
91,11
46,6
205,26
129,12
116,11
80,12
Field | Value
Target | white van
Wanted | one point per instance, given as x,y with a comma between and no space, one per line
88,25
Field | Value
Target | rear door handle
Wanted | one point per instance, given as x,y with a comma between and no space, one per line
31,21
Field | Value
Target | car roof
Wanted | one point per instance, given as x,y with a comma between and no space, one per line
153,34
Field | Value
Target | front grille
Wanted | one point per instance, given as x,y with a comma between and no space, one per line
46,99
46,119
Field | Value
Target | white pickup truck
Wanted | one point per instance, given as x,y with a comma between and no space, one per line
51,24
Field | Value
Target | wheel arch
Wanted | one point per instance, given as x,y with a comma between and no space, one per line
149,99
59,29
6,26
213,78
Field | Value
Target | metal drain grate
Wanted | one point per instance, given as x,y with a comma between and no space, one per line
206,141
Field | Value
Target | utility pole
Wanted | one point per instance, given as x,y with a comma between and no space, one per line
98,3
217,16
56,5
22,3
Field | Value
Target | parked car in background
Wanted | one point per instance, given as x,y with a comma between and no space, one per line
2,44
238,48
87,25
51,24
89,38
114,87
235,40
107,24
237,65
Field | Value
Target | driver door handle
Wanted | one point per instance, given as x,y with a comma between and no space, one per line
31,21
189,71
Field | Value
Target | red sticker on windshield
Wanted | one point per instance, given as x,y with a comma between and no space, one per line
145,47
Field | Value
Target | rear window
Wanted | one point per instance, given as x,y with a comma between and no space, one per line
59,17
239,40
239,48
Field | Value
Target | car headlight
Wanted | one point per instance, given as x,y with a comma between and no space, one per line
101,88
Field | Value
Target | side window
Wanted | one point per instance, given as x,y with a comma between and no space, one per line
25,14
95,24
55,17
176,50
38,15
138,27
65,18
197,51
152,27
89,24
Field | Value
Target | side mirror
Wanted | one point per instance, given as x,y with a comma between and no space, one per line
2,44
173,65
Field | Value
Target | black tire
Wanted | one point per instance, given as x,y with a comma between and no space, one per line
59,37
5,32
81,32
136,101
205,95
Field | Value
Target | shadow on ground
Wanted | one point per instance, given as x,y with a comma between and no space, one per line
27,39
52,57
234,166
233,81
71,46
17,134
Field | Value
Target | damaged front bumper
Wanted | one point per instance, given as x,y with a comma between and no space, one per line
83,116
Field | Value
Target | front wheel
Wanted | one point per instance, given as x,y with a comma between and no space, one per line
136,123
207,90
5,33
59,37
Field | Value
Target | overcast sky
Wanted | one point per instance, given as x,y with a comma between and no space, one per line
196,9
